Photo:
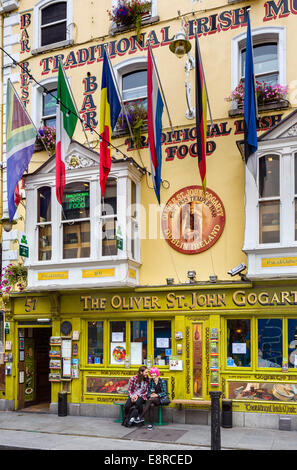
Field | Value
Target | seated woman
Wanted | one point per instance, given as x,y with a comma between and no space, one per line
137,391
157,388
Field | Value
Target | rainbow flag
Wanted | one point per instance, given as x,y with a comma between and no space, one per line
201,115
110,108
20,140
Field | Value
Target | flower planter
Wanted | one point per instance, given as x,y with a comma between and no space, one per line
273,105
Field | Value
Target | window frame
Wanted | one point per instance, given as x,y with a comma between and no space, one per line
37,25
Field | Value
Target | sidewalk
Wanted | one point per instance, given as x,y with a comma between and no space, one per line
23,430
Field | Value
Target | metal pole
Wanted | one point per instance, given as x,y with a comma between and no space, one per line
215,421
200,57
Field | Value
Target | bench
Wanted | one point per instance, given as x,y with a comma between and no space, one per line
122,404
204,403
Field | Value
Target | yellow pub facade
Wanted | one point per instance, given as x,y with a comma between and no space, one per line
202,286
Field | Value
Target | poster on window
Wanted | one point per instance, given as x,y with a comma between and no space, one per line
117,353
136,353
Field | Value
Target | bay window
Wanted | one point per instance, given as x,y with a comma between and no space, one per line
44,223
269,199
109,219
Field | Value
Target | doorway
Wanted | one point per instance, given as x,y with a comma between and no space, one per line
34,385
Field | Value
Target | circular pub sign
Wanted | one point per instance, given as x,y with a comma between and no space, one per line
192,222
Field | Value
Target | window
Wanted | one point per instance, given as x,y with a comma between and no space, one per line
162,342
44,223
238,343
2,350
49,104
153,8
95,342
109,219
76,220
138,345
265,63
269,199
295,191
292,343
270,342
54,23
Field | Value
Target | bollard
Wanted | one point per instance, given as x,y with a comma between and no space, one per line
215,421
62,404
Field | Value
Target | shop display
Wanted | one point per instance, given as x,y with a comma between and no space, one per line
214,357
263,391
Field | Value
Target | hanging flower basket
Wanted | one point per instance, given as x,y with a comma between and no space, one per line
266,94
137,117
13,278
130,12
47,139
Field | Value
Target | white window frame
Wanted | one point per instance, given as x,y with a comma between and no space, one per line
37,26
259,36
128,66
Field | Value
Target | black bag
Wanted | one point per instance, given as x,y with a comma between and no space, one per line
164,400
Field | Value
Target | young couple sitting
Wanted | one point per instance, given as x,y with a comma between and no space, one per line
143,390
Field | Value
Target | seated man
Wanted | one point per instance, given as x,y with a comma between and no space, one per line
137,390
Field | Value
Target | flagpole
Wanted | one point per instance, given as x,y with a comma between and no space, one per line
160,84
199,52
70,91
255,93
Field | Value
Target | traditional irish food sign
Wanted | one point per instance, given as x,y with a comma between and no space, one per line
191,221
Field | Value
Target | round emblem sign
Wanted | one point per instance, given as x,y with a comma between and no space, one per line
192,222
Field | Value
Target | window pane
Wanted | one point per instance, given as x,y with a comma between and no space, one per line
110,198
270,341
53,13
53,34
51,122
109,242
45,242
76,240
269,176
269,79
49,103
239,343
95,342
134,79
44,204
265,59
295,170
269,215
162,342
76,201
138,346
292,342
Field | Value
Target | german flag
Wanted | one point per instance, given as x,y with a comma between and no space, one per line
110,108
201,115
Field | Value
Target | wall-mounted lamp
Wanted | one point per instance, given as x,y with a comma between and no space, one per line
169,281
213,278
181,46
191,276
7,224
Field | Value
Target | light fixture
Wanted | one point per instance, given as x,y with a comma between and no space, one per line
43,320
181,46
169,281
213,278
7,224
191,276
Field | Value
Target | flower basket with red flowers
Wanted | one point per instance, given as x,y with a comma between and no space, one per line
130,12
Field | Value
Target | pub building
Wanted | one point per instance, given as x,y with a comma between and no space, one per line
203,286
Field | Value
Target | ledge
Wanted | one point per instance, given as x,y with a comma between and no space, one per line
51,47
284,104
114,30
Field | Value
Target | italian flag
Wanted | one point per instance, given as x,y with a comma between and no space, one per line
66,120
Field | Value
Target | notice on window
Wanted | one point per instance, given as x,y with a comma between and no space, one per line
239,348
117,337
66,367
136,353
162,343
66,348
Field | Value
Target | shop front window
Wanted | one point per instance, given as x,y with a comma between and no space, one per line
95,342
238,343
118,351
138,345
270,341
197,360
162,342
2,366
292,342
44,223
76,220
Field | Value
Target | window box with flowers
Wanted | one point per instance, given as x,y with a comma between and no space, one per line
13,279
46,140
137,117
131,14
268,97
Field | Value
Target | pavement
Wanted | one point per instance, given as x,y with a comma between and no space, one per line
47,432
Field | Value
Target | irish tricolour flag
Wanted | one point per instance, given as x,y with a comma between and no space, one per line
65,126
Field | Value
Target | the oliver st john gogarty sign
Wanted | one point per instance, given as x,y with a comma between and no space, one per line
183,300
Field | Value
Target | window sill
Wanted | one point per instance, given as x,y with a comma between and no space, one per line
123,132
115,29
283,104
51,47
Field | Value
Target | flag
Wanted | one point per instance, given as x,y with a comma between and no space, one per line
66,120
155,107
201,115
250,121
20,139
110,108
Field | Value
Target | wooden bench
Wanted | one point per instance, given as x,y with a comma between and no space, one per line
122,404
198,403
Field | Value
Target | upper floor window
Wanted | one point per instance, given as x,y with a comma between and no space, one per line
269,199
54,23
44,223
49,104
265,63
